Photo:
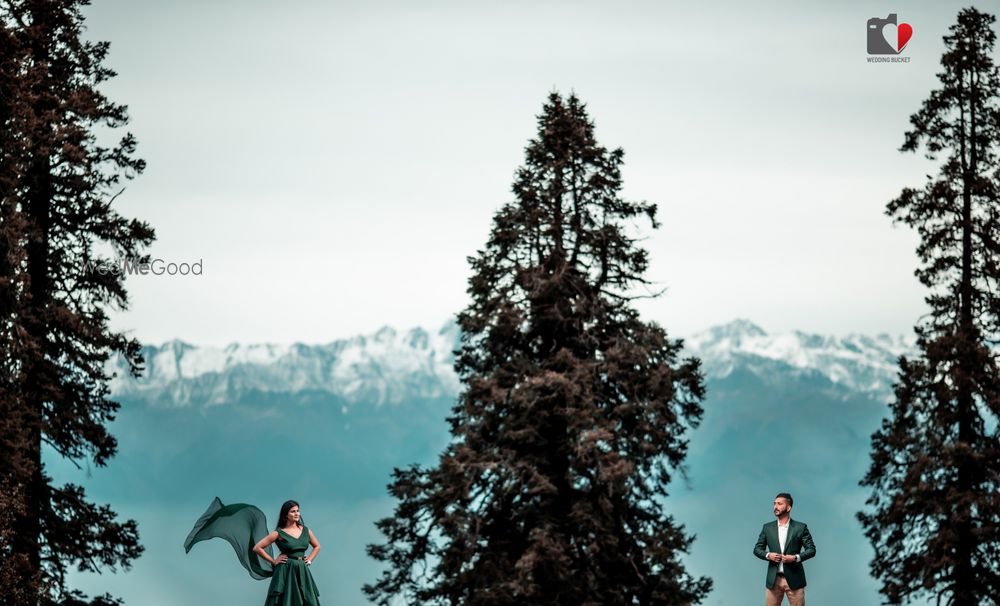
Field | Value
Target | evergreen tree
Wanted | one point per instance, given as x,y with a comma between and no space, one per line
16,581
934,517
58,180
573,413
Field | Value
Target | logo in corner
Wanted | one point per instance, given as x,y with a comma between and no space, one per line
886,36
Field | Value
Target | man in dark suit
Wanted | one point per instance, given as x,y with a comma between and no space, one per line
785,544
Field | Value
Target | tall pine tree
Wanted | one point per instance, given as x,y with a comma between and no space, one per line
573,414
934,517
16,581
58,180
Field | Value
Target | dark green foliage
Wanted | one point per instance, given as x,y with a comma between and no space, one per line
573,413
935,474
57,182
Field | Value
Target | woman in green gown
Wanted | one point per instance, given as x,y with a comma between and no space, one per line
245,527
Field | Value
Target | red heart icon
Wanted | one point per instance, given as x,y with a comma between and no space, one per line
903,34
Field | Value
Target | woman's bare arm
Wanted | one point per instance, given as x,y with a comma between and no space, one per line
261,544
315,547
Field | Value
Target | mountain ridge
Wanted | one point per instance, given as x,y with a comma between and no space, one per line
330,424
391,366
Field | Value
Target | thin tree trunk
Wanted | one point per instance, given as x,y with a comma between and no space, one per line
964,591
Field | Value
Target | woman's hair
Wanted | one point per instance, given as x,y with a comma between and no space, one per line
283,515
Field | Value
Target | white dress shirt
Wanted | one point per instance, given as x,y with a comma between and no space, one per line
782,535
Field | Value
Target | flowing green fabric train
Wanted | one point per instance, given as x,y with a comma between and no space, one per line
240,524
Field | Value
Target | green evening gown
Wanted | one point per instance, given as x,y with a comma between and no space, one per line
292,583
242,525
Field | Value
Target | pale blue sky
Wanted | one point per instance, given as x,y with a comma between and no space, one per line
333,164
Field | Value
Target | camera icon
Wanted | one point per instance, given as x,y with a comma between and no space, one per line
877,42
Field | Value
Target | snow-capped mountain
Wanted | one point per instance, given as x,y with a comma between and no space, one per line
389,367
329,423
386,367
858,362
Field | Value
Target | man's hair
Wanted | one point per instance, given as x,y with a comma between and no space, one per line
786,496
